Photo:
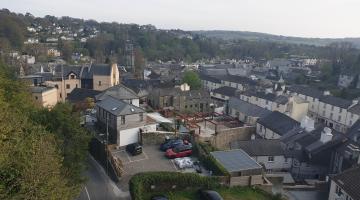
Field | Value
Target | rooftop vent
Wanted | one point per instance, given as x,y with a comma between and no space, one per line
113,109
132,109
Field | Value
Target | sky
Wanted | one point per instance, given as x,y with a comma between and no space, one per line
303,18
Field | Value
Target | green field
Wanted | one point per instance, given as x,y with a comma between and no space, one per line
235,193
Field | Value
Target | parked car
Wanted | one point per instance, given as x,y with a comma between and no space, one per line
172,143
179,151
134,149
209,195
160,197
197,167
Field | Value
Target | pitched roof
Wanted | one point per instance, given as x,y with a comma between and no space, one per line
235,160
80,94
225,90
354,132
247,108
237,79
209,78
281,99
336,101
118,107
65,70
355,109
95,69
349,182
119,92
278,122
259,147
306,90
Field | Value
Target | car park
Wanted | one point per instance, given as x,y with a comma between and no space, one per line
209,195
134,149
179,151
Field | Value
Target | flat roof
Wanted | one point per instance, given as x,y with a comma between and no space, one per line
235,160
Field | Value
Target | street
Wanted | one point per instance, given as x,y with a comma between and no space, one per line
99,186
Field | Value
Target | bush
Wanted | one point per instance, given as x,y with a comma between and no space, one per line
167,127
141,183
210,163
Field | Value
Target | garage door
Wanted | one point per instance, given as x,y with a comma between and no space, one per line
128,136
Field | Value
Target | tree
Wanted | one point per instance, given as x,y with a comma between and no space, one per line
192,79
139,63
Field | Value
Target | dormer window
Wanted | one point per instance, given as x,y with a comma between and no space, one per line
72,76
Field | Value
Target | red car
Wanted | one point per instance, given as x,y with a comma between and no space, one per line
179,151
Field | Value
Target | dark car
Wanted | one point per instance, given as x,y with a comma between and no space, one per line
209,195
134,149
179,151
160,197
172,143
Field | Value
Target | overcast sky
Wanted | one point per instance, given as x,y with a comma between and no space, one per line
306,18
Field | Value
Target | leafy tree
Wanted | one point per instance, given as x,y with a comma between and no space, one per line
192,79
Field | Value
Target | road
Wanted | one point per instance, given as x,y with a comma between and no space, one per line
99,186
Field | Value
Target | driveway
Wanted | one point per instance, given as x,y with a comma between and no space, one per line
99,185
152,159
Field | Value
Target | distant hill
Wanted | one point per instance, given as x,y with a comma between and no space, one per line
254,36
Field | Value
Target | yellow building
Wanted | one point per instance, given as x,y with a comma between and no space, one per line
45,96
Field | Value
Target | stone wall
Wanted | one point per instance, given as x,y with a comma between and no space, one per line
224,137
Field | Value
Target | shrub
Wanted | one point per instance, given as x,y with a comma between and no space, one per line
167,126
141,183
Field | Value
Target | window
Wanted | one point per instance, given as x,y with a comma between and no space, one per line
332,108
339,119
141,115
324,106
271,159
123,119
67,86
99,83
286,160
76,85
331,116
267,102
72,76
56,86
36,98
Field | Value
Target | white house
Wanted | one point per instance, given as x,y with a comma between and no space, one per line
126,122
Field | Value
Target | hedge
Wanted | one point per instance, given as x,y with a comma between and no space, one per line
167,126
141,183
210,163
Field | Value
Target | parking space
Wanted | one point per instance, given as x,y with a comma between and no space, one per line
152,159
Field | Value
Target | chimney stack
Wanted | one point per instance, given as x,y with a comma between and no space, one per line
326,135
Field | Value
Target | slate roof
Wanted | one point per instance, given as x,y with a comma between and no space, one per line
306,90
119,92
278,122
80,94
209,78
355,109
67,69
39,89
336,101
246,108
259,147
354,132
349,182
237,79
118,107
235,160
225,90
95,69
268,96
